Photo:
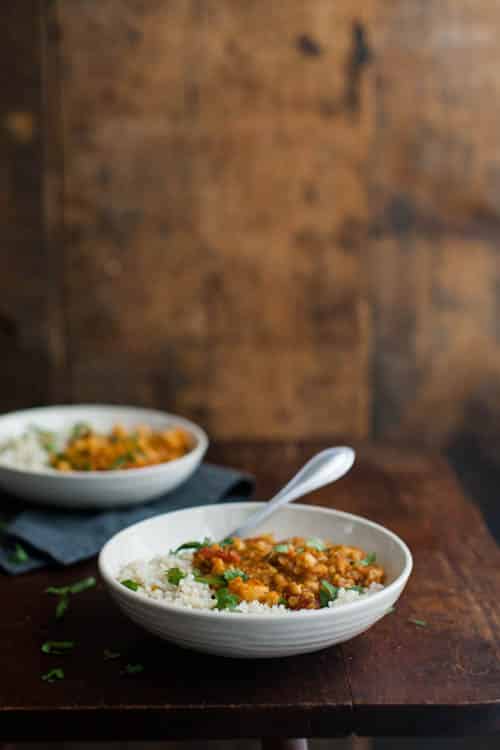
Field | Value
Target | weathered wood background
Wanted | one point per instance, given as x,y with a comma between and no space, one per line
279,218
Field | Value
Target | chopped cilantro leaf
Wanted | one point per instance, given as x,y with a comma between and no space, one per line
315,543
83,585
368,560
194,545
108,655
175,576
57,647
226,600
228,575
57,590
133,669
19,555
62,606
210,580
327,593
80,429
130,584
283,548
53,674
419,623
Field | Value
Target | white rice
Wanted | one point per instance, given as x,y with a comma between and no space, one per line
26,451
152,580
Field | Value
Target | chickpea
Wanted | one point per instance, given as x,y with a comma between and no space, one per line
308,560
279,581
320,570
218,566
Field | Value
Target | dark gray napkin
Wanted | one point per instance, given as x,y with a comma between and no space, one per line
57,536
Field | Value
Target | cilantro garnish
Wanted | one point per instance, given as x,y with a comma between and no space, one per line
57,647
228,575
368,560
83,585
315,543
175,576
194,545
133,669
130,584
226,600
327,593
281,548
226,542
80,429
209,580
108,655
121,460
419,623
62,606
53,674
19,555
63,592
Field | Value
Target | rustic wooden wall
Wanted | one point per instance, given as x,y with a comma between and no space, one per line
280,218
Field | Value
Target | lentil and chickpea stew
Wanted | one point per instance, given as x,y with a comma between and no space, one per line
296,573
88,450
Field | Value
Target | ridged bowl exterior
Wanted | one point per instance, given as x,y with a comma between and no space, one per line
251,636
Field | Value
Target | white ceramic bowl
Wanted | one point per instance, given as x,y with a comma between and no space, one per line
254,635
97,489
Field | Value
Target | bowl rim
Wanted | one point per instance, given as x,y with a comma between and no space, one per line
135,596
195,430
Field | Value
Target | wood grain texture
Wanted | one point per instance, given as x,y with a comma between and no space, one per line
213,154
24,290
279,219
435,232
396,679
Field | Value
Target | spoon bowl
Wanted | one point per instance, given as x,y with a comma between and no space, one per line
322,469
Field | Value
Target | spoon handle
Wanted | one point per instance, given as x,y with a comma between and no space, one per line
321,469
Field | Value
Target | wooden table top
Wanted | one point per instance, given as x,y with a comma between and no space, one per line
396,679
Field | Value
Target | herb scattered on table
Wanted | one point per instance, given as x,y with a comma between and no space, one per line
62,606
175,576
19,555
57,647
327,593
53,674
109,655
64,592
419,623
368,560
83,585
130,584
130,669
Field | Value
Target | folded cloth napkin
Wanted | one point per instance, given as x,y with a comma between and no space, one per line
50,535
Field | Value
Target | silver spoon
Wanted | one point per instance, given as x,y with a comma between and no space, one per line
323,468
